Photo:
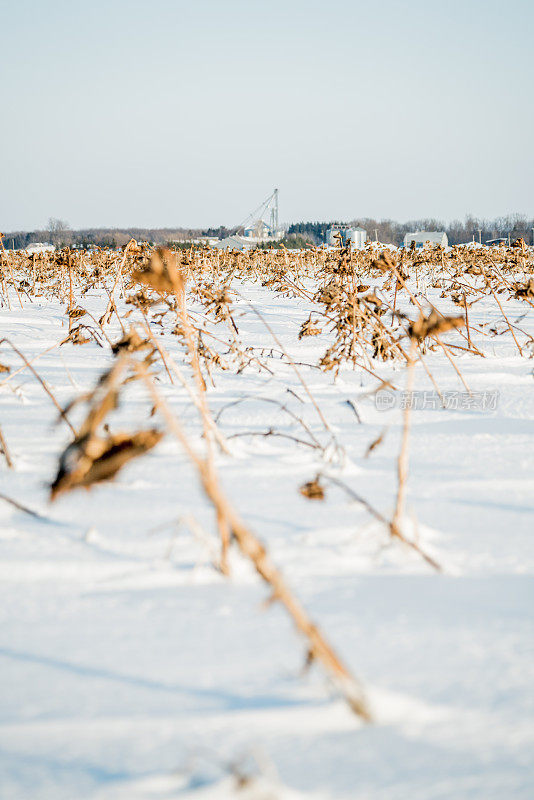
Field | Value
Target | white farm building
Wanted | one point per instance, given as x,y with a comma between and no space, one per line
236,242
422,237
40,247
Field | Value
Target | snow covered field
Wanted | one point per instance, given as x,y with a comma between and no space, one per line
132,669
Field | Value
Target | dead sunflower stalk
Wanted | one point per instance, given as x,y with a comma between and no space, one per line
252,549
419,330
93,457
161,274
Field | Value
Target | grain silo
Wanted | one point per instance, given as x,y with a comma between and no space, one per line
353,235
332,237
356,236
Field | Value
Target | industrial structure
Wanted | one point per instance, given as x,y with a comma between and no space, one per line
420,238
353,235
256,230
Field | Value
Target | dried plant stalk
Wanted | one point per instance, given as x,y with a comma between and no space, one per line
43,383
402,461
252,548
106,316
4,450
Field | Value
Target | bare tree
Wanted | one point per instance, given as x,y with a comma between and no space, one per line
59,232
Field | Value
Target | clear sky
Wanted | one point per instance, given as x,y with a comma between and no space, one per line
173,113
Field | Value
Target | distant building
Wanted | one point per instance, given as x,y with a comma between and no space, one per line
332,237
211,241
422,237
40,247
236,242
259,230
356,236
255,229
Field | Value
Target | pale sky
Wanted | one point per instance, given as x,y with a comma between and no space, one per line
173,113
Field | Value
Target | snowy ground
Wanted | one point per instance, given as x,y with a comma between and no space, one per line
130,668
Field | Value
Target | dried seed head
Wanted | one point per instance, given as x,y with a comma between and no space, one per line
76,313
309,328
433,325
130,343
312,490
161,273
524,292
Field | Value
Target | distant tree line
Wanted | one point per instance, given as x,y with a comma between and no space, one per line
391,232
292,241
58,233
298,234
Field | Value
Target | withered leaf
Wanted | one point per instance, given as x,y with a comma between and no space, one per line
76,313
92,459
312,490
130,343
309,328
385,262
372,297
161,273
375,443
526,291
141,300
433,325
